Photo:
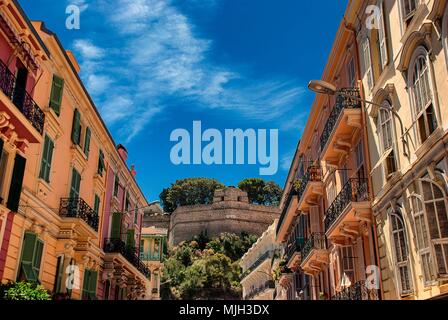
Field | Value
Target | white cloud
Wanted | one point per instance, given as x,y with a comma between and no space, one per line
82,4
157,53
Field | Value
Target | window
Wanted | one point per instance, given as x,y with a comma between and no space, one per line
127,203
437,217
136,214
59,274
81,137
101,165
368,71
89,285
31,259
422,97
386,136
96,205
348,266
116,185
445,34
76,128
15,188
57,90
47,156
421,233
352,73
401,253
409,7
75,184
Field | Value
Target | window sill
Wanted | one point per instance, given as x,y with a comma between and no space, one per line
426,146
44,189
79,158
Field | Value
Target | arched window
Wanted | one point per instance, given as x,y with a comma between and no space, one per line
386,134
421,234
437,217
421,94
401,252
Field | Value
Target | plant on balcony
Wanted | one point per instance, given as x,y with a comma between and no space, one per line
281,269
297,185
23,291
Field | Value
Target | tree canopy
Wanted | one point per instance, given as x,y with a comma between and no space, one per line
196,191
205,268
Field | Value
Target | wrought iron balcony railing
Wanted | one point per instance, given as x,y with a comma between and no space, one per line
78,208
313,174
267,285
151,257
21,98
317,241
341,104
296,245
292,193
358,291
118,246
355,190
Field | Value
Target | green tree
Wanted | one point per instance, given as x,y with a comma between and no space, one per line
193,191
23,291
261,192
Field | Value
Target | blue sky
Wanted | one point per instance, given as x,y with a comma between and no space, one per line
153,66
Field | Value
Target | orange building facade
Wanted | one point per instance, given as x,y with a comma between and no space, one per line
70,208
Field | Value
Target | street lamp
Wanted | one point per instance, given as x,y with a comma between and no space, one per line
323,87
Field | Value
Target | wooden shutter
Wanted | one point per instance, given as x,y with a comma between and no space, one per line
315,220
57,90
76,129
75,184
26,260
116,225
87,142
59,275
96,205
15,188
1,148
47,158
130,239
86,284
92,284
37,258
101,164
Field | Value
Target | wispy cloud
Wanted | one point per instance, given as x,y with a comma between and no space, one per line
157,54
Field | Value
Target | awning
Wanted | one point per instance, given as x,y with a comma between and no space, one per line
382,159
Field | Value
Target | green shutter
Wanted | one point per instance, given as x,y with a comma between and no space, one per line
37,259
116,185
101,165
27,258
96,205
76,128
92,284
15,189
47,158
59,275
57,90
130,238
75,184
87,142
116,225
86,284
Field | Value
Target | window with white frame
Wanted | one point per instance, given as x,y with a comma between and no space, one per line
352,73
347,266
445,34
421,93
437,217
386,135
367,62
421,234
409,7
401,252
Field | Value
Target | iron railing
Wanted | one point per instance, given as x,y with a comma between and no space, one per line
267,255
355,190
313,174
21,98
267,285
292,193
78,208
151,257
294,246
130,253
358,291
341,104
317,241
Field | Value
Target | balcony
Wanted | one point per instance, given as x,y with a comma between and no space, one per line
150,257
315,254
267,286
269,255
130,254
358,291
344,120
30,113
293,252
309,188
76,209
287,217
348,211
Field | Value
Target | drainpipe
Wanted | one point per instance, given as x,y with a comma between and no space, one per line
366,152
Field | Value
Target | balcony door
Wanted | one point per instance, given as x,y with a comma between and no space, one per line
20,86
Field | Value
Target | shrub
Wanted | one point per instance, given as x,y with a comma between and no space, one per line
23,291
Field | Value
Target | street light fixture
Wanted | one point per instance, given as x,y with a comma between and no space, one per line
323,87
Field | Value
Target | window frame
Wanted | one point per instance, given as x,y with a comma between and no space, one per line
382,124
367,62
46,159
407,16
